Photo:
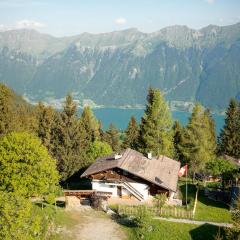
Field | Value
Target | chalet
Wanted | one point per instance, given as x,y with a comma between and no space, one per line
130,174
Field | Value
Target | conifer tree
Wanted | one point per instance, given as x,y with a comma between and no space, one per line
45,124
178,132
6,115
112,137
155,128
229,140
90,124
68,140
199,145
131,134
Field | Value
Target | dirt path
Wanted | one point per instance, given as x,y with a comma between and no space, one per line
93,225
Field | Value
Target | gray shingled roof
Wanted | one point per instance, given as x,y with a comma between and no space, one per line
162,171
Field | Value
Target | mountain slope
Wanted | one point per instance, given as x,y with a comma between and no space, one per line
116,69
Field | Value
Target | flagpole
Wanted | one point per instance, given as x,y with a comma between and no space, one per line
186,186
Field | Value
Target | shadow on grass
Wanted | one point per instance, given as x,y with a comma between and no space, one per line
207,231
60,204
191,191
124,220
210,202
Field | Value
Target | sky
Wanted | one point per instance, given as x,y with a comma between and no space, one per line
71,17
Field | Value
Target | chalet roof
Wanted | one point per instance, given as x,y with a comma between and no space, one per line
161,171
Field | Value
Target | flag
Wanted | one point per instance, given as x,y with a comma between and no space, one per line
182,171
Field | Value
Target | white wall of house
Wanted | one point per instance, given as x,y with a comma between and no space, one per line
142,188
103,186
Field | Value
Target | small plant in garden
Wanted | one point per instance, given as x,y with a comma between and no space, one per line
159,201
143,219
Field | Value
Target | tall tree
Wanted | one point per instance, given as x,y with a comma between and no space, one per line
155,128
46,122
112,137
131,134
68,140
178,132
199,145
90,124
229,140
6,114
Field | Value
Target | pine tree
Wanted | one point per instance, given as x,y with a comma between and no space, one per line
90,124
155,128
6,114
69,140
131,134
112,137
199,145
178,132
45,124
229,140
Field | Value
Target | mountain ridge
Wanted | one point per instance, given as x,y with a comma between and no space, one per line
116,68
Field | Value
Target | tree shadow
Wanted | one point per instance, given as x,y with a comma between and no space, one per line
124,220
207,231
211,202
60,204
191,191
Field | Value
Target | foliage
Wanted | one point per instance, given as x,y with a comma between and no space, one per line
25,166
143,219
178,132
199,143
131,134
15,113
160,200
6,114
155,128
98,149
221,167
69,140
229,140
17,220
112,137
46,122
90,124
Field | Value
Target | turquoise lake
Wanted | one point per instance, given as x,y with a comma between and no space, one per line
121,117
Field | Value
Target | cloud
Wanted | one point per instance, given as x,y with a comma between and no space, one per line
120,21
25,23
210,1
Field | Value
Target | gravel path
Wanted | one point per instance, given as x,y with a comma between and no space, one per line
95,225
180,220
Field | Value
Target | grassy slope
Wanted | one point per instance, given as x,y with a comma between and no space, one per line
207,209
177,231
210,210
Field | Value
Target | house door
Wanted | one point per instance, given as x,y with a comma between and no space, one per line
119,191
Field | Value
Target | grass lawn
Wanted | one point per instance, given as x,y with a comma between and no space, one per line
207,209
177,231
210,210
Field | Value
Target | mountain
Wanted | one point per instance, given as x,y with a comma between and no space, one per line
116,68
